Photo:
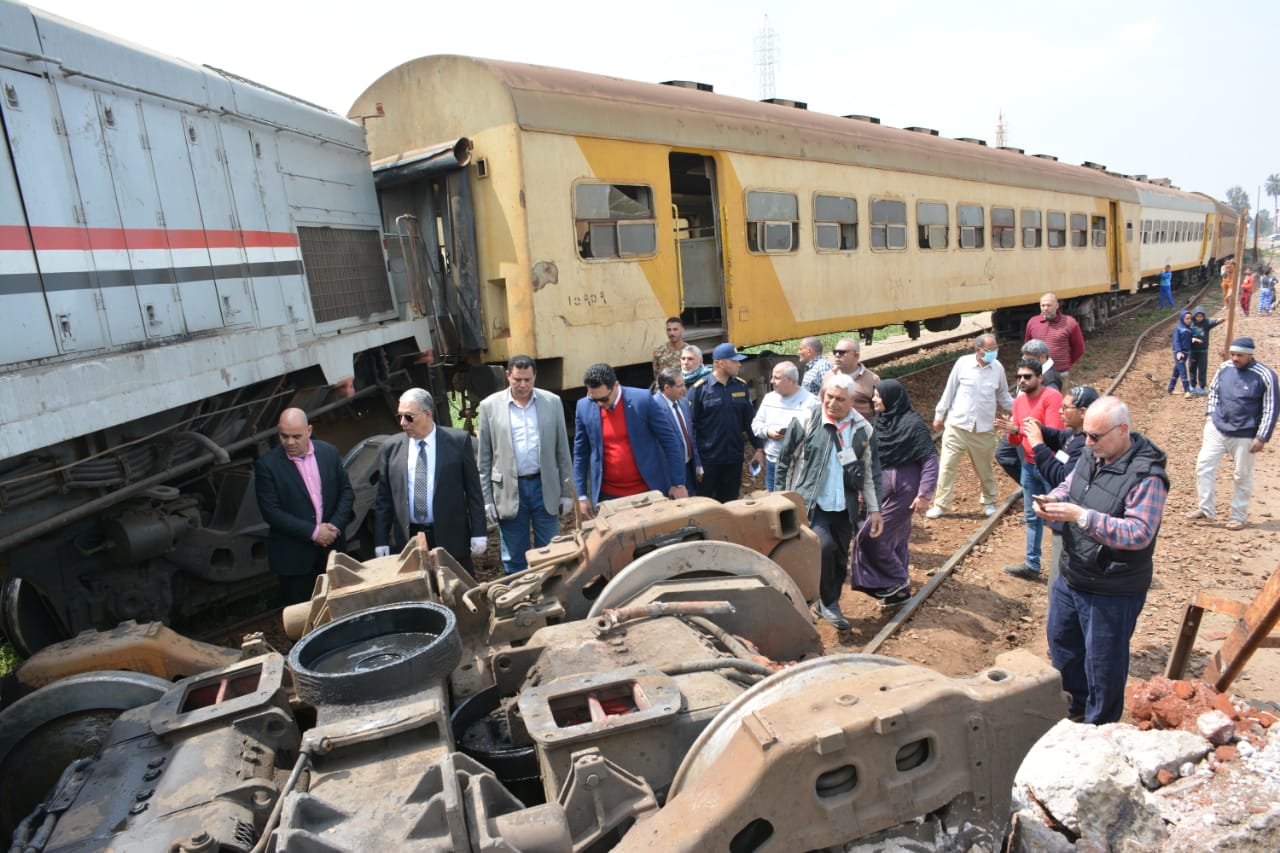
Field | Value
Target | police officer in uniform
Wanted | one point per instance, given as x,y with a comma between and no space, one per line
722,413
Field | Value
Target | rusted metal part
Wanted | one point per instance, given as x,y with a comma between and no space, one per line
151,648
850,752
603,623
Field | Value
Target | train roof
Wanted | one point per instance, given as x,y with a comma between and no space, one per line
35,41
1168,198
481,93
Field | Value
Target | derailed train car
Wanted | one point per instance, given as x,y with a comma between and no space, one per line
685,705
606,205
183,253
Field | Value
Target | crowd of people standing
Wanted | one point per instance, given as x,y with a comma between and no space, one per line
849,443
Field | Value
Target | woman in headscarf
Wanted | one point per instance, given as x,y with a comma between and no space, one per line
909,473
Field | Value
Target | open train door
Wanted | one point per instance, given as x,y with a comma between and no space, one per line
696,211
1114,254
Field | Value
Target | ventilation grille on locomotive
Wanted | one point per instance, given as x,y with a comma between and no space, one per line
346,273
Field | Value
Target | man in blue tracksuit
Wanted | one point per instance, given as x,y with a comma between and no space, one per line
1241,416
1166,287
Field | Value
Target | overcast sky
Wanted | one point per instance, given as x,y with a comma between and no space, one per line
1169,89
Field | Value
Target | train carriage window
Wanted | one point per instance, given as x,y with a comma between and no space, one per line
614,221
835,223
1164,231
1032,236
1100,232
888,224
1003,230
970,222
773,222
1057,229
1177,231
1146,231
931,225
1079,230
1128,231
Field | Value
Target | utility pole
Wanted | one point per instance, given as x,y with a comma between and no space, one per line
1229,287
1002,131
766,58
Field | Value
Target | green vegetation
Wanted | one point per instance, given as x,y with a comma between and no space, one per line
788,347
9,659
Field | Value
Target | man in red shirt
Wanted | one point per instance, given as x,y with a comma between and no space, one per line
624,443
1061,333
1043,404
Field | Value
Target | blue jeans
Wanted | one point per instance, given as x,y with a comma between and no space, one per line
1166,295
770,469
515,530
1089,646
1032,484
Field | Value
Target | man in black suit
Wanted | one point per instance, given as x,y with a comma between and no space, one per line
429,483
305,498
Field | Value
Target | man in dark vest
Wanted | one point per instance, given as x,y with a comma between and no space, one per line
1110,507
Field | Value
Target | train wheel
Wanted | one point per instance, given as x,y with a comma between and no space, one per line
790,682
43,732
695,559
28,618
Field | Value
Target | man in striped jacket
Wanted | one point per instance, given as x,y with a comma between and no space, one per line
1240,418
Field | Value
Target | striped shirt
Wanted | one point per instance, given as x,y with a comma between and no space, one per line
1143,510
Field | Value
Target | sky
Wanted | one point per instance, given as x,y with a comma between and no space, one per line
1170,89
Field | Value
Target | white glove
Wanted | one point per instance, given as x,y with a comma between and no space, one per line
566,506
382,550
491,513
478,545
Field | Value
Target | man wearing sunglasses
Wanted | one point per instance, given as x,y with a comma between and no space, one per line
429,483
1110,507
1041,405
624,443
848,355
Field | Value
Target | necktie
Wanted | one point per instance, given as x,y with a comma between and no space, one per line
421,513
688,444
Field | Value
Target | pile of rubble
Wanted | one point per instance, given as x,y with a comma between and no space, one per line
1199,771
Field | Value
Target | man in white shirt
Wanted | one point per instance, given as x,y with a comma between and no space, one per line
848,356
785,403
524,463
671,391
976,389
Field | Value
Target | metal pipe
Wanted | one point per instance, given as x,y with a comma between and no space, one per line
748,666
731,643
304,758
85,510
221,456
614,617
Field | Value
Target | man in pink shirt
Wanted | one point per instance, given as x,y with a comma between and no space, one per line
1061,333
306,500
1043,404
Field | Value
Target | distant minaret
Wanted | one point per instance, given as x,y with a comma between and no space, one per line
766,58
1002,131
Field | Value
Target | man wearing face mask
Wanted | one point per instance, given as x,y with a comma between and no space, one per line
966,414
1060,332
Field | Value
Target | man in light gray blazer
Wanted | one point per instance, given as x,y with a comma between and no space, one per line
524,463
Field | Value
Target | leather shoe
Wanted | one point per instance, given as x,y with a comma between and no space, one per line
1026,573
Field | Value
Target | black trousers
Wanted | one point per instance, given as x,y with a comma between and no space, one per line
721,481
835,533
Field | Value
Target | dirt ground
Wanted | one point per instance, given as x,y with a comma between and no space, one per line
979,611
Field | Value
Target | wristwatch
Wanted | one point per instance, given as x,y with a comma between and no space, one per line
1082,520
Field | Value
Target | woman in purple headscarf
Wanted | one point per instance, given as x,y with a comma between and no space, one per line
909,473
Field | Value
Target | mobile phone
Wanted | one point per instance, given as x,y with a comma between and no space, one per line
1040,499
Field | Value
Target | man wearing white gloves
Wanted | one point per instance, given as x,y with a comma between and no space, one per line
429,484
524,463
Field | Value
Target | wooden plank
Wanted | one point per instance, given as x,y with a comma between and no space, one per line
1248,636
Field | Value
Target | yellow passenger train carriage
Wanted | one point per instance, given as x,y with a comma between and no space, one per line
603,206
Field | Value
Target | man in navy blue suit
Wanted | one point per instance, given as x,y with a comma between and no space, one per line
670,396
306,499
624,443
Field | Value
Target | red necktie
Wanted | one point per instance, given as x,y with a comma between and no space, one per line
688,445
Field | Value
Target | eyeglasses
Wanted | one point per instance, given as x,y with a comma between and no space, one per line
601,401
1095,437
841,351
406,417
1026,376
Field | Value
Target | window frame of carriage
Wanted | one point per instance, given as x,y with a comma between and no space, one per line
621,226
1003,232
883,227
933,225
835,216
766,221
971,226
1031,224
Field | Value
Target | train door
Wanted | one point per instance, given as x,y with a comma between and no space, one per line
62,261
695,207
1117,245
